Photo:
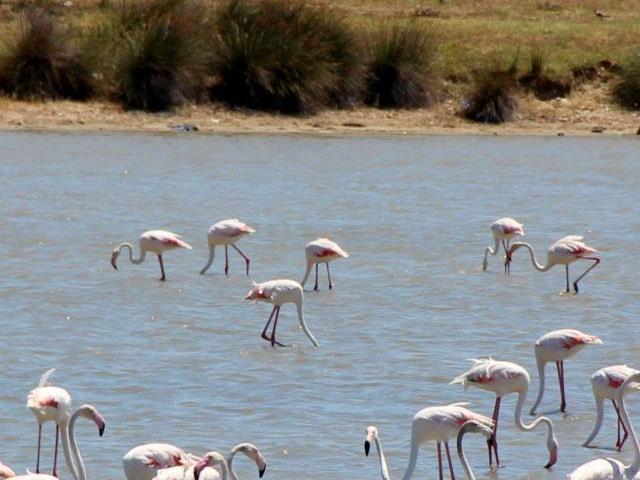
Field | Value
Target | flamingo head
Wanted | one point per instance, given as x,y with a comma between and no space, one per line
512,250
114,258
211,459
89,412
552,445
254,454
372,435
6,472
256,294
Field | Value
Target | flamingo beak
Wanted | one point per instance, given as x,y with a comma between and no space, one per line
261,472
114,257
197,469
553,458
367,447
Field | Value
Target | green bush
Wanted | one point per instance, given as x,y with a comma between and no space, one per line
627,89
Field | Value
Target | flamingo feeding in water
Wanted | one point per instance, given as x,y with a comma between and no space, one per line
279,292
503,230
605,383
154,241
50,404
319,251
432,424
504,378
557,346
564,252
199,470
610,468
471,427
226,232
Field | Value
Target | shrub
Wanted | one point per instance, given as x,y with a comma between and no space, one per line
281,55
543,86
493,99
627,89
40,61
400,69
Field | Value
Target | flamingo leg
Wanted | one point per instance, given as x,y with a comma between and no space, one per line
226,260
494,441
329,276
246,259
446,446
163,277
620,443
566,268
506,264
273,332
55,452
38,455
440,460
563,403
596,261
264,332
316,285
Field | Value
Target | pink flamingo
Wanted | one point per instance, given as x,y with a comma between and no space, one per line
199,471
226,232
503,230
279,292
324,251
610,468
564,252
6,472
557,346
432,424
471,427
504,378
50,404
155,241
606,384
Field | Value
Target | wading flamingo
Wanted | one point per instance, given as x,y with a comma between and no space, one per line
471,427
432,424
610,468
279,292
154,241
556,346
226,232
503,378
144,461
324,251
197,471
503,230
605,383
564,252
50,404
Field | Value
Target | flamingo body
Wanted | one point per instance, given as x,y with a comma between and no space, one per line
324,251
226,232
503,230
144,461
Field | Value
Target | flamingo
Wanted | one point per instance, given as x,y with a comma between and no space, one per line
610,468
605,383
503,230
503,378
279,292
197,471
226,232
155,241
324,251
564,252
6,472
471,427
437,424
90,413
48,404
556,346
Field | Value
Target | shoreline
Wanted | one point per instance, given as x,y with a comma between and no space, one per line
588,108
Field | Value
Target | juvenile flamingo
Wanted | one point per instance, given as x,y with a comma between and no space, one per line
610,468
154,241
324,251
556,346
432,424
279,292
605,383
226,232
471,427
503,230
564,252
50,404
504,378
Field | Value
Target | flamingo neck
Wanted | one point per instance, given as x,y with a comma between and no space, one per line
81,472
135,261
232,472
541,364
67,449
463,458
598,424
491,251
383,461
538,266
303,324
522,396
307,272
633,468
413,457
224,470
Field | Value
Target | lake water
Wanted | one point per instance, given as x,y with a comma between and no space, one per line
182,361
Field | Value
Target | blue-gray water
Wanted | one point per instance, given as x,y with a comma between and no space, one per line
182,361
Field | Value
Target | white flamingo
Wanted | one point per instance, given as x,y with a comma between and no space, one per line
605,384
226,232
279,292
319,251
504,378
90,413
610,468
50,404
154,241
557,346
471,427
6,472
210,462
503,230
432,424
564,252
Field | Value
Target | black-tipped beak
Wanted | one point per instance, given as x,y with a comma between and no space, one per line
261,472
101,429
548,465
367,447
113,263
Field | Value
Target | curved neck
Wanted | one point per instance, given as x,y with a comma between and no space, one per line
135,261
232,472
224,470
413,458
81,472
541,383
463,458
522,396
534,261
633,468
69,455
304,325
383,461
306,274
598,424
491,251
